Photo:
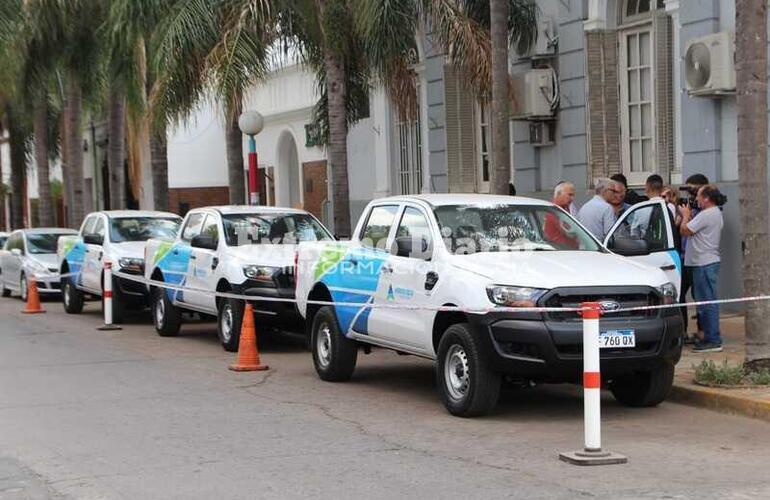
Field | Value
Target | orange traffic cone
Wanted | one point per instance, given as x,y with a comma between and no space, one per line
33,299
248,353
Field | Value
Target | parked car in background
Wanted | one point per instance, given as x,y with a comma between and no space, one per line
245,250
415,254
117,237
31,253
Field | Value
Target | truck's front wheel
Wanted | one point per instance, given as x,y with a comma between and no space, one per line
648,388
71,297
467,386
334,355
165,315
229,323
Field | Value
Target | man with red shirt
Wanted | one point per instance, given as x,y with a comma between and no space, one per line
556,230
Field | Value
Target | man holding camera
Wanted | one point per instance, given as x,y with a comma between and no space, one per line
702,255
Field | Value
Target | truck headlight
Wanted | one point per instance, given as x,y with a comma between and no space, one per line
514,296
668,291
131,264
260,273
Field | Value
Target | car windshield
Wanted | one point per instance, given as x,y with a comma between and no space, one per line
43,243
508,228
142,228
275,228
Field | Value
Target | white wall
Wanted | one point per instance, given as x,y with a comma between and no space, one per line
729,109
197,154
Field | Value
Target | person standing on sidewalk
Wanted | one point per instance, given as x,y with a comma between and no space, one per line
691,187
704,233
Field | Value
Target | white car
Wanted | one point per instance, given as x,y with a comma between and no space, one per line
412,255
117,236
246,250
28,253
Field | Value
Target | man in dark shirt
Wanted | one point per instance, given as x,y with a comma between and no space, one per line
632,197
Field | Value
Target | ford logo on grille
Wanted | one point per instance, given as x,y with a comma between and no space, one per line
609,305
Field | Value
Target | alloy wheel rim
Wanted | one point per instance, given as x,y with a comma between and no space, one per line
23,288
227,323
324,345
456,372
160,312
67,294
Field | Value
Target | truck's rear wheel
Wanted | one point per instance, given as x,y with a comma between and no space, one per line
166,316
467,386
334,355
229,322
72,298
648,388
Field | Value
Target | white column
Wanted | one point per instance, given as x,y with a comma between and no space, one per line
597,15
672,9
382,144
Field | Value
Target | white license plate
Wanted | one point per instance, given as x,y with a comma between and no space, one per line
617,339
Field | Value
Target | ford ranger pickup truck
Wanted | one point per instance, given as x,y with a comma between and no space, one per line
411,255
246,250
117,236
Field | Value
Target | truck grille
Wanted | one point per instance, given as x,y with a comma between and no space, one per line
284,278
626,297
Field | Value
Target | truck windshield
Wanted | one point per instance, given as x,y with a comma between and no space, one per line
275,228
469,229
142,229
43,243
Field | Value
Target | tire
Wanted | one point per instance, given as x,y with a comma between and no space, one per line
642,389
23,288
166,317
229,320
118,303
71,297
334,355
468,388
5,292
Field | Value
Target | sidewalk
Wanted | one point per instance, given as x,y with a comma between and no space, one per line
754,402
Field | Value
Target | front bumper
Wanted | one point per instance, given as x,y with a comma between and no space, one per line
49,285
130,288
283,313
536,348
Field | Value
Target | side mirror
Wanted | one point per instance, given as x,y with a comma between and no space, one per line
16,252
204,241
407,246
93,239
629,247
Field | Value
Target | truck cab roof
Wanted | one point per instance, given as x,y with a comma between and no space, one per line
252,209
124,214
437,200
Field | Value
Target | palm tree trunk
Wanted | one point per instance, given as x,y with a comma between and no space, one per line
74,146
67,193
751,73
159,162
500,171
234,138
116,152
45,204
18,155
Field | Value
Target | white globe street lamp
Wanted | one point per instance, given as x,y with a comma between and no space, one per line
251,123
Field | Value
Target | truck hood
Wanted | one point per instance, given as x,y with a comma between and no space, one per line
133,249
264,255
553,269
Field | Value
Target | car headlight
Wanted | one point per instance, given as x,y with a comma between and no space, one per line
260,273
668,291
514,296
131,264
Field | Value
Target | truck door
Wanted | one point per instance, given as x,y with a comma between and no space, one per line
408,279
92,265
203,264
646,233
356,279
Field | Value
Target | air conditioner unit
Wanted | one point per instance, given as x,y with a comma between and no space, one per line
541,133
709,68
545,46
536,94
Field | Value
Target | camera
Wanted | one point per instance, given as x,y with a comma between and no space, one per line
690,200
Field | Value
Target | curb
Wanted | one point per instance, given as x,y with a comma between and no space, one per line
718,400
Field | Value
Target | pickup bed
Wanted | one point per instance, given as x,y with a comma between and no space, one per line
480,253
246,250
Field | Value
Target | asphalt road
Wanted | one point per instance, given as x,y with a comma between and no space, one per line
127,414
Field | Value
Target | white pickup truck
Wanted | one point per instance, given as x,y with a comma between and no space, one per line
117,236
482,252
246,250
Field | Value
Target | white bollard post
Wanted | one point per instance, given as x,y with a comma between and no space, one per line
107,299
592,453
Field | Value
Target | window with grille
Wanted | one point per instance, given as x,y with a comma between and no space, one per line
409,153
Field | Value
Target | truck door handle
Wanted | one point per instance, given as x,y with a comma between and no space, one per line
214,263
669,267
430,280
386,269
193,257
100,255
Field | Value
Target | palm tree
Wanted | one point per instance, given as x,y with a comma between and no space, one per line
500,170
751,73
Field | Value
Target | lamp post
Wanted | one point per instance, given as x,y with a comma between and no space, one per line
251,123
